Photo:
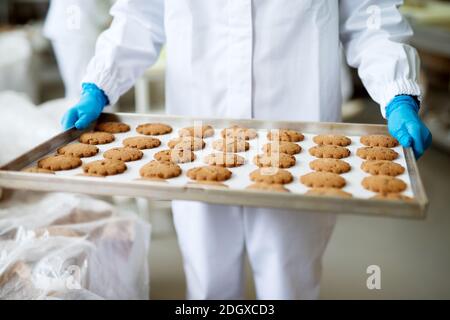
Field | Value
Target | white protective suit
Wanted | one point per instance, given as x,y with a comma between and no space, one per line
263,59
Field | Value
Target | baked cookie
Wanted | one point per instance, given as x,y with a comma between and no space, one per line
231,145
228,160
112,127
392,196
125,154
382,167
37,170
383,184
154,129
330,165
282,147
175,156
379,140
271,176
161,170
190,143
79,150
329,192
205,131
59,163
285,135
376,153
142,143
331,152
209,173
96,138
323,180
272,187
332,140
105,167
238,132
276,160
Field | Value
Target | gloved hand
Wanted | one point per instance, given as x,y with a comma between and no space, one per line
88,109
404,124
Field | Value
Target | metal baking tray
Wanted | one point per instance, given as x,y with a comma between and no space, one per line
11,176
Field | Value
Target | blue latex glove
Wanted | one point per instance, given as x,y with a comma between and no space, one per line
88,109
404,124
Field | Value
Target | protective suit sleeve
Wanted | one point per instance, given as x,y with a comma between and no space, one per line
130,46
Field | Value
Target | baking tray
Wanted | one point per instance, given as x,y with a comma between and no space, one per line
181,189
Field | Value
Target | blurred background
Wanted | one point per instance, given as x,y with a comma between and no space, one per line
41,66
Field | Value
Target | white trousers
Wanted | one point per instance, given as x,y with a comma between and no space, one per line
285,250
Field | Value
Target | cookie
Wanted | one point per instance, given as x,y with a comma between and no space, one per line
142,143
209,173
276,160
332,140
79,150
379,140
272,187
383,184
154,129
161,170
331,152
330,165
112,127
323,180
392,196
59,162
382,167
285,135
190,143
96,138
238,132
125,154
228,160
105,167
271,176
376,153
328,192
231,145
205,131
175,156
282,147
37,170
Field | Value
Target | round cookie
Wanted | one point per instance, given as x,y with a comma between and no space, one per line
383,184
238,132
282,147
161,170
285,135
330,165
376,153
205,131
142,143
175,156
154,129
392,196
270,176
79,150
379,140
228,160
190,143
124,154
59,163
271,187
329,192
38,170
96,138
209,173
276,160
105,167
231,145
382,167
332,140
332,152
112,127
323,180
